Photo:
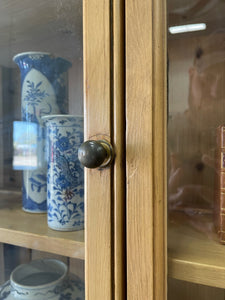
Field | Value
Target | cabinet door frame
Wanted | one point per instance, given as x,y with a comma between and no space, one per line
146,149
103,38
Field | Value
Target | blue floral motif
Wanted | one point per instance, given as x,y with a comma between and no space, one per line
71,289
33,97
5,291
63,143
53,68
65,174
44,91
38,182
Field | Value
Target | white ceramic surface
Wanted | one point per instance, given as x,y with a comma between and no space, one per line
72,290
42,280
44,91
65,177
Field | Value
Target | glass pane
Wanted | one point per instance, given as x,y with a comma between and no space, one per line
196,135
41,128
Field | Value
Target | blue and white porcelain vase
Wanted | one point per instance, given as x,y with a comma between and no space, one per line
65,177
44,91
42,279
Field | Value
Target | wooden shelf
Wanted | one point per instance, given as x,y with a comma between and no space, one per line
31,231
195,257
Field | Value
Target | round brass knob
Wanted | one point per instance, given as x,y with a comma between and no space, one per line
95,154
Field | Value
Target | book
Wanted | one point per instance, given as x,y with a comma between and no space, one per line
219,201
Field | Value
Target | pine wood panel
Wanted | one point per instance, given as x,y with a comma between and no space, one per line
97,114
119,146
197,257
139,150
146,151
159,149
31,230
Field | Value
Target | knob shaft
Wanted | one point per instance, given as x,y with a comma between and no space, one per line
95,154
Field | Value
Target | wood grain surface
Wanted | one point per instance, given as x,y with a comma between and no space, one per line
146,149
98,184
31,230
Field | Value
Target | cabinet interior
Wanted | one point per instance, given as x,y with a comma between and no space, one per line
46,26
195,254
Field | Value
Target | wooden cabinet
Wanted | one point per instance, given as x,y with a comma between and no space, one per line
146,149
104,112
180,255
120,83
91,34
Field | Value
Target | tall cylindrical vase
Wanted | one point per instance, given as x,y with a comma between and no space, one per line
65,179
44,91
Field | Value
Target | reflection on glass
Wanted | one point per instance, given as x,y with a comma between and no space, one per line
196,109
53,26
44,91
192,133
187,28
196,85
25,145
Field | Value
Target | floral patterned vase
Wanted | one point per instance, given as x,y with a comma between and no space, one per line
44,91
65,177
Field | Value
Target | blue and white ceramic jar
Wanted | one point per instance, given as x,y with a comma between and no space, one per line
44,91
42,279
65,177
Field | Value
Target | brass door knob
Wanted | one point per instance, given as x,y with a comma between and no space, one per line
95,154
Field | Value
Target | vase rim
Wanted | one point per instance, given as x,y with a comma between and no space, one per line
31,53
57,263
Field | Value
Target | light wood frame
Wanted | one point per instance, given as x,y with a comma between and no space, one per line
104,119
146,149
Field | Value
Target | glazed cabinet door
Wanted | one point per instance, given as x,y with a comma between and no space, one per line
195,200
61,84
104,110
175,54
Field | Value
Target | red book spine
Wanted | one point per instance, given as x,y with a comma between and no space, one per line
219,205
